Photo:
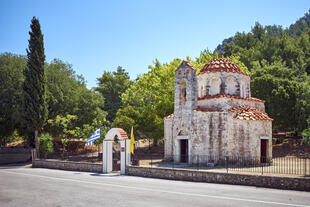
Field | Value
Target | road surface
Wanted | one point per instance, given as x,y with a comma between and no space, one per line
25,186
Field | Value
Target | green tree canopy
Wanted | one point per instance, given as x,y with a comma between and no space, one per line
112,85
11,80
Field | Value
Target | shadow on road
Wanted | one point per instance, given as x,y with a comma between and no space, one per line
15,165
106,175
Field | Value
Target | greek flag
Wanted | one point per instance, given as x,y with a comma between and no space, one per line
94,136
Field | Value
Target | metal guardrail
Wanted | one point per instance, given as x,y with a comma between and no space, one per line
258,165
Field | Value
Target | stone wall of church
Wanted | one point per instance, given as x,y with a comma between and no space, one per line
208,136
224,83
185,91
185,101
214,135
168,136
225,103
244,137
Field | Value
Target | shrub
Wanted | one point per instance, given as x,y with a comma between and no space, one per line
46,143
306,136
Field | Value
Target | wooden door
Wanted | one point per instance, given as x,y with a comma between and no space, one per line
263,150
184,150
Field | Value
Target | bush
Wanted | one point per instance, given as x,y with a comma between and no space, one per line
306,136
46,143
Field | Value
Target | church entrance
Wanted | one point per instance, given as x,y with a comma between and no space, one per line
263,150
184,150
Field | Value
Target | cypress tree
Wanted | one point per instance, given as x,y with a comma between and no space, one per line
34,102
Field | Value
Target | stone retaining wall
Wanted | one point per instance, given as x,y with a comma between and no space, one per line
288,183
14,155
68,165
14,158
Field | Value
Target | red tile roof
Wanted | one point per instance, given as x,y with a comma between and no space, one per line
123,133
221,65
230,96
169,116
187,62
208,109
249,114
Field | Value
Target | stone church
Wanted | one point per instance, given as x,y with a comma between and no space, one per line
215,116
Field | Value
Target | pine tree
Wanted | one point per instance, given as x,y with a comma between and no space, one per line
34,102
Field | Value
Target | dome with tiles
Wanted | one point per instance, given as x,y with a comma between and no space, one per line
221,65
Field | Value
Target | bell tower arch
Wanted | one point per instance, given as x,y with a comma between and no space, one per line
185,90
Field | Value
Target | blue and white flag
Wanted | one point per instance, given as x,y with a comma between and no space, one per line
94,136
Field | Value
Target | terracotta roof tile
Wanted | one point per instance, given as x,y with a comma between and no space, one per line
122,133
188,63
230,96
249,114
208,109
221,65
169,117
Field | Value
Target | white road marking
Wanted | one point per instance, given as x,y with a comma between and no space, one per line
159,191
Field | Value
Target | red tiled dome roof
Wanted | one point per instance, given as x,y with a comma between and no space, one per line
249,114
221,65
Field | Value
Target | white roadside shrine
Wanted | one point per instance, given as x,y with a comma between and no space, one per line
107,151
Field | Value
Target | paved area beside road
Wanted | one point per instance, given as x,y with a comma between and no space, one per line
25,186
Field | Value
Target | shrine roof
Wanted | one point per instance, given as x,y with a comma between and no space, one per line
169,116
122,133
249,114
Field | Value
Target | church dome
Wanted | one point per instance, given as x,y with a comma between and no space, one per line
221,65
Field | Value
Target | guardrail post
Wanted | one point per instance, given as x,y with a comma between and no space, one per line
226,163
197,162
305,161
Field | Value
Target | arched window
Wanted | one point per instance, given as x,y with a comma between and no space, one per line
182,133
187,72
183,92
231,85
215,86
179,73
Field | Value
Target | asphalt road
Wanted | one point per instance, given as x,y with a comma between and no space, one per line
24,186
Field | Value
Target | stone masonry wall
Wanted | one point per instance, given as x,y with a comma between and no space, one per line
168,135
67,165
244,137
240,82
183,108
14,155
288,183
225,103
209,135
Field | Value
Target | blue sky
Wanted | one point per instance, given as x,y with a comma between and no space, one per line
98,36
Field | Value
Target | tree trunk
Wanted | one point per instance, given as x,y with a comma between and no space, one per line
36,141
